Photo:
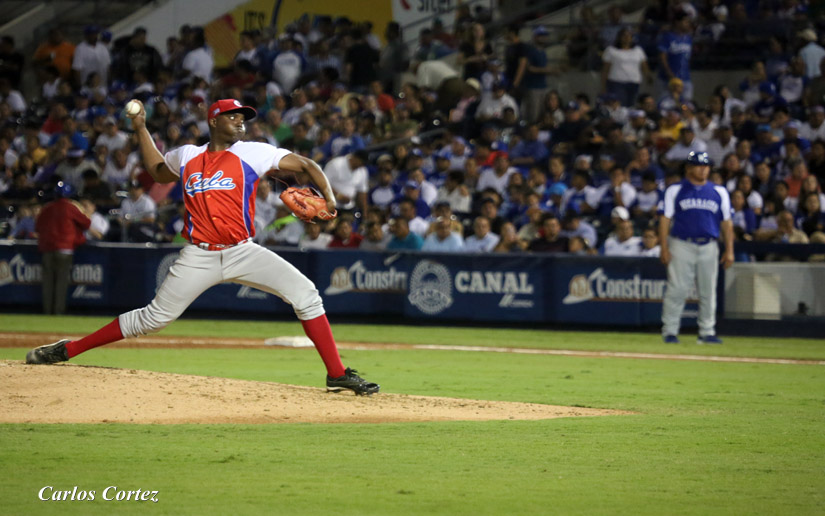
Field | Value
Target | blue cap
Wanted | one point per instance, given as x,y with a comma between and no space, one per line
417,152
698,158
412,184
572,105
63,189
763,128
557,189
767,87
540,30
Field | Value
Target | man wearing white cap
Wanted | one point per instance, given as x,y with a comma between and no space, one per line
812,53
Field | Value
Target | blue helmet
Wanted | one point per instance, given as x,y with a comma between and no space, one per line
698,158
63,189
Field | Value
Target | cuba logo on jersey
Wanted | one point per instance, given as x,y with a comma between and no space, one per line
198,184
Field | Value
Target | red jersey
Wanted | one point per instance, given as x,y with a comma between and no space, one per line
60,227
219,189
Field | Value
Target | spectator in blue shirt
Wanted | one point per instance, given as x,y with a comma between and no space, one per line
675,48
76,138
430,48
345,142
768,102
384,192
402,238
534,83
529,151
641,165
647,198
574,226
764,148
443,239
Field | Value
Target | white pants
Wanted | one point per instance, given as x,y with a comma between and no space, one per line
691,264
197,269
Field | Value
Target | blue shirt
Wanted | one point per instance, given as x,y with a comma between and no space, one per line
535,81
530,149
678,48
451,244
382,196
766,107
413,242
696,211
744,219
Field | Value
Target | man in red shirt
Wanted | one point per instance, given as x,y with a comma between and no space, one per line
60,228
344,236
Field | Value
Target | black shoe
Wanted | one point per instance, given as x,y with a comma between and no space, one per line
353,382
49,354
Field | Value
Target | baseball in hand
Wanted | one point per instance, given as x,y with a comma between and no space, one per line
132,108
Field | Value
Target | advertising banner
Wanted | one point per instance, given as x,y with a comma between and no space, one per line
361,283
21,272
470,287
477,287
616,291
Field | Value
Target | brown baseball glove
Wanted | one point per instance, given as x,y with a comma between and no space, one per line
306,204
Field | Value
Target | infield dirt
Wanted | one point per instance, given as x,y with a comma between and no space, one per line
67,393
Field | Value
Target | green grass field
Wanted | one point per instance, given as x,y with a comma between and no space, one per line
708,438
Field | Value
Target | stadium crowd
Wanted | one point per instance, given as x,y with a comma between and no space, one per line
447,146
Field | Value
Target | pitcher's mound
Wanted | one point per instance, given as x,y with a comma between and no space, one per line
68,393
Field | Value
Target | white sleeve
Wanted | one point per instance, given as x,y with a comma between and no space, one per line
628,194
77,59
755,200
610,247
262,157
174,160
723,193
607,56
360,180
593,196
670,200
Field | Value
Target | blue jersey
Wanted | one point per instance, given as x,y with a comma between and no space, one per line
678,48
535,81
696,211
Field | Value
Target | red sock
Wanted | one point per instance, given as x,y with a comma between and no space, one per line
320,334
109,333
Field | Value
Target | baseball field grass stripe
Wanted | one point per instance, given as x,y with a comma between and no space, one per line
619,354
709,438
799,349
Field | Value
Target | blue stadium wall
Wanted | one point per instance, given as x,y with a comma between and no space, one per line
417,286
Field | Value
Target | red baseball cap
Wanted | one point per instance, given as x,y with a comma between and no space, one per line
230,105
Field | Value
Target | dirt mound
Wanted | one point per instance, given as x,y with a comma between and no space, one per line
68,393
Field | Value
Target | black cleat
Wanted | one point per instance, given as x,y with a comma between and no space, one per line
353,382
49,354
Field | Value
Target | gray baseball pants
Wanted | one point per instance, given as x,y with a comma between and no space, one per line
197,269
691,264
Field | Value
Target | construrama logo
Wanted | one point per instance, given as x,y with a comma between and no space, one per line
357,278
598,286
